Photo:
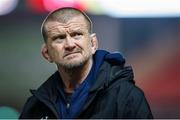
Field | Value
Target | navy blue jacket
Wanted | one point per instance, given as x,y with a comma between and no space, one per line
112,95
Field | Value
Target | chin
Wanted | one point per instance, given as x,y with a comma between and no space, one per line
74,64
71,66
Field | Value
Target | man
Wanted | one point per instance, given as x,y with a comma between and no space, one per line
89,83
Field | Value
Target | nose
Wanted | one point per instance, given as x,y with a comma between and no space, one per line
69,43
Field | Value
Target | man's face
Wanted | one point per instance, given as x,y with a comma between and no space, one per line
70,44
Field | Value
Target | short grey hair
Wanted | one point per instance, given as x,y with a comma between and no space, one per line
63,15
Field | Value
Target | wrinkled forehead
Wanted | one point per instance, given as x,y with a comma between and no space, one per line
73,24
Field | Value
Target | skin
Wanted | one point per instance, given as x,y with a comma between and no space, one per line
70,46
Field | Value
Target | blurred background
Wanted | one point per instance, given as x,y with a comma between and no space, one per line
147,33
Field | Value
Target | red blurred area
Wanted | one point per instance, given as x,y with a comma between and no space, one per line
41,6
36,6
51,5
162,87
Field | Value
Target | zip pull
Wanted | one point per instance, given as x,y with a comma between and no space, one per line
68,102
68,105
68,108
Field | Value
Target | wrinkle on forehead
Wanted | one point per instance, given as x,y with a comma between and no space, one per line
76,21
54,27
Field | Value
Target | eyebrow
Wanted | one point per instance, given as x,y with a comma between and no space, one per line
76,30
58,35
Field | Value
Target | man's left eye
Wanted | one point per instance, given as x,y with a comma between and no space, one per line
76,34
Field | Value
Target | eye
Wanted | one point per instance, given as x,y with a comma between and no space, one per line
59,37
76,34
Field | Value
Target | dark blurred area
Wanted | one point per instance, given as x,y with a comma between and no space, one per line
150,46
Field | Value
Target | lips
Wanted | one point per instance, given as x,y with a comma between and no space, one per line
69,53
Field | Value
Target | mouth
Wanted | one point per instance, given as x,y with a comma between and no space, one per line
71,53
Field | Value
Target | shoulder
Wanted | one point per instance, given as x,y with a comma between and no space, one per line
29,107
130,92
36,102
121,78
133,101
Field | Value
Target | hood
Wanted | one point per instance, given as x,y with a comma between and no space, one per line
110,68
114,58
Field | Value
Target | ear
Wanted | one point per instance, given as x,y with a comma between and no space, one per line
45,53
94,43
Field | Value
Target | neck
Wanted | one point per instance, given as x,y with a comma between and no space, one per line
72,78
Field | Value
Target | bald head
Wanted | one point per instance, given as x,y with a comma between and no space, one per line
63,15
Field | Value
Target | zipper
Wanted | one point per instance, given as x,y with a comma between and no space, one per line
68,108
68,105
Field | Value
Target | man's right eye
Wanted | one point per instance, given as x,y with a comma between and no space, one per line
59,37
62,37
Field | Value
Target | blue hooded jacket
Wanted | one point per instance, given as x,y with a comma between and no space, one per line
107,92
71,108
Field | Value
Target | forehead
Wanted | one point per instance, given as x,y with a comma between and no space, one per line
76,23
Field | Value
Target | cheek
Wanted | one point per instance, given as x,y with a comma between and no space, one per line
88,48
89,45
55,51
